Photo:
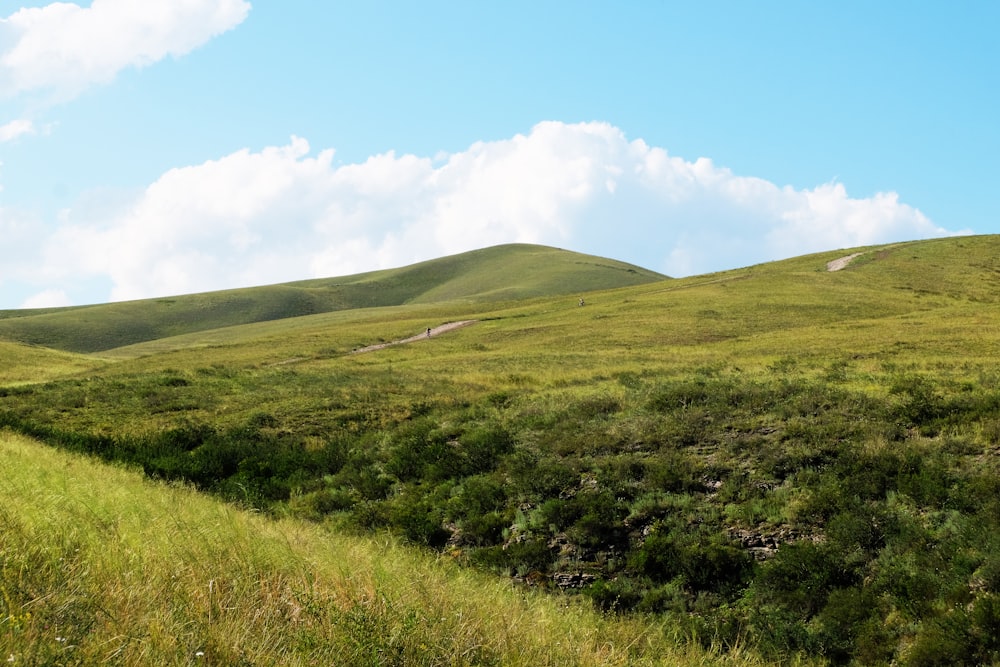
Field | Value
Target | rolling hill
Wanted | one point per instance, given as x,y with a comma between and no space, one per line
780,459
499,273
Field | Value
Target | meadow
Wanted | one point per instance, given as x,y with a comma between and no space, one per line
772,463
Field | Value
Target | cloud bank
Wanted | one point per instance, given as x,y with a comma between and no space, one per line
283,213
62,48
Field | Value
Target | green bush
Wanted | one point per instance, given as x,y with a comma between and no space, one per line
419,521
483,446
801,576
616,595
484,529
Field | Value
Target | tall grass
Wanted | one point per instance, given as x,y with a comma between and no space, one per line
100,566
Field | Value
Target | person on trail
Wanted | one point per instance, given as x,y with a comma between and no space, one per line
428,332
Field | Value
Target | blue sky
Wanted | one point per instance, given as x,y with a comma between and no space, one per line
171,146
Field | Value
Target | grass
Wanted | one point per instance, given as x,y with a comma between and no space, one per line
101,566
25,364
493,274
844,424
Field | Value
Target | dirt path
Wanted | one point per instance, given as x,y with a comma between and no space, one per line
838,264
444,328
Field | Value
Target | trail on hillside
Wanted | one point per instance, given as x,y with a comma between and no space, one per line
434,331
838,264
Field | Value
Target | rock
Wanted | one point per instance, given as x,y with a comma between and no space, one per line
573,579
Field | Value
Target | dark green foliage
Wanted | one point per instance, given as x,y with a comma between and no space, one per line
483,529
419,450
483,447
802,575
546,478
614,595
420,520
704,561
530,557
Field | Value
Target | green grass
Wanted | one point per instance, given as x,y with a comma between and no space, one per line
493,274
25,364
100,566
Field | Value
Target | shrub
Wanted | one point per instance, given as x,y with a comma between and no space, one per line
484,530
658,558
599,525
316,504
919,403
531,555
801,576
617,595
846,612
419,521
544,478
483,447
476,496
942,642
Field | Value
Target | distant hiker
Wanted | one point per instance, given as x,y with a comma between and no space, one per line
581,301
428,332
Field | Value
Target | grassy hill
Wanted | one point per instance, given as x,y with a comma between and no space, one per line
103,567
779,457
21,364
499,273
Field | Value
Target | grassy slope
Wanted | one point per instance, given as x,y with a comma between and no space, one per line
925,308
101,566
491,274
923,304
905,296
21,364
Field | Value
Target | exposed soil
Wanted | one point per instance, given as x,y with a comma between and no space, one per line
838,264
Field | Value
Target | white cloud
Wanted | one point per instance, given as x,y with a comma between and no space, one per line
15,129
62,48
281,214
50,298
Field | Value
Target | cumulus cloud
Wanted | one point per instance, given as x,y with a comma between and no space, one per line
283,213
61,48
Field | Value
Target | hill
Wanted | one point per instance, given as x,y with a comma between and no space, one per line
102,566
802,461
493,274
21,364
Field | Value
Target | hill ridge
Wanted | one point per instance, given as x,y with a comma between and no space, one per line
497,273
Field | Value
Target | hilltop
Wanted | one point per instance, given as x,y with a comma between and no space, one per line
499,273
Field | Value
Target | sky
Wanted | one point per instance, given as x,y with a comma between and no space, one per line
160,147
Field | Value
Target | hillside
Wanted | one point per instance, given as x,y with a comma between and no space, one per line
779,457
499,273
86,581
20,364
